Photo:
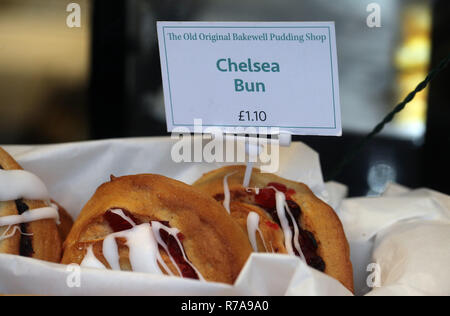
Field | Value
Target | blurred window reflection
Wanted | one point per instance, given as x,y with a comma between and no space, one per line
378,66
44,69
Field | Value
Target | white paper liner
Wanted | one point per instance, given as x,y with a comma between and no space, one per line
408,234
73,171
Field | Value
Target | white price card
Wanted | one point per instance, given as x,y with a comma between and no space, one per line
246,74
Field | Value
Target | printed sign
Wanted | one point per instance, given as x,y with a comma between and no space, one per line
273,75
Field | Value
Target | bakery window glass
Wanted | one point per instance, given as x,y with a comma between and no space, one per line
97,75
44,71
377,66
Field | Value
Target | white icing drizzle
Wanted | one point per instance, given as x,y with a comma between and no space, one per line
111,252
122,214
143,249
281,200
91,261
226,192
156,226
21,184
281,211
296,233
253,227
55,206
31,216
15,229
143,242
144,252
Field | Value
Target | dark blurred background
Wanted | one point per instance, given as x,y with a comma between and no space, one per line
103,80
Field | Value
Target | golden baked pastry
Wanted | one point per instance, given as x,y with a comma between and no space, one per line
273,211
65,221
153,224
28,226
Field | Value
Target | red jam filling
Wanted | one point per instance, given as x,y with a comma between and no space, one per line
272,225
267,200
266,196
177,254
118,224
